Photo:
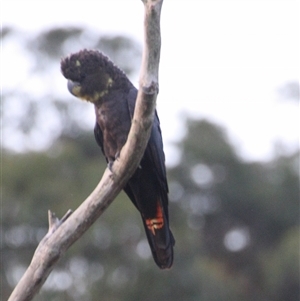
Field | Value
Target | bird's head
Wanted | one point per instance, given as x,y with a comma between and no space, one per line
90,74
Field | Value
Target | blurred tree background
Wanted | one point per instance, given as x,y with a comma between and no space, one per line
236,223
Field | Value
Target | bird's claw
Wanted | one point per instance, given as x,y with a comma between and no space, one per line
110,165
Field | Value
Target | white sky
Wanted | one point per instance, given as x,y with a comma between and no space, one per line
221,59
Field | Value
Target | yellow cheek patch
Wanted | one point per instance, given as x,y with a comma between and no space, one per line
98,95
157,222
78,64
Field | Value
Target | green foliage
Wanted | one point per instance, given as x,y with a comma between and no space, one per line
212,194
240,211
281,267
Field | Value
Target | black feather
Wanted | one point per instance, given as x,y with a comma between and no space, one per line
98,80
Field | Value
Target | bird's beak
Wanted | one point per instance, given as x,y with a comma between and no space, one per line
74,88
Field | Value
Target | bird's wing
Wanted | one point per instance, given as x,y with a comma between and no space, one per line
99,137
154,151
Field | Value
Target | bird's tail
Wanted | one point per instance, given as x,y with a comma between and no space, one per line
160,239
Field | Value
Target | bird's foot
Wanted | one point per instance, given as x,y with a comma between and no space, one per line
110,165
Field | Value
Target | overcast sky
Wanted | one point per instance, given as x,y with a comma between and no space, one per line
223,60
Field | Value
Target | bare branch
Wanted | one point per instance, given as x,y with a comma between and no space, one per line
63,233
54,222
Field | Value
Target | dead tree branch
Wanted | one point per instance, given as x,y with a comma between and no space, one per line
63,233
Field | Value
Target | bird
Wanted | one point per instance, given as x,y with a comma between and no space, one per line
93,77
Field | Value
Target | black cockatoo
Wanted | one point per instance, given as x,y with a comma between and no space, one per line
93,77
